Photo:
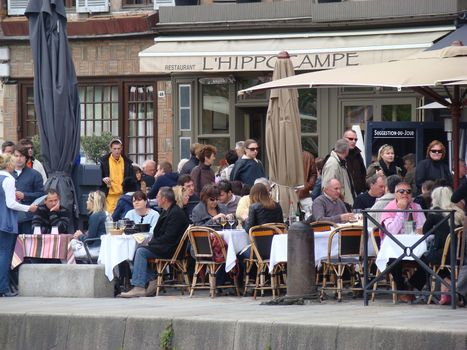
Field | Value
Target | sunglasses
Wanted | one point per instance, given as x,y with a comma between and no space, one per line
436,151
404,191
253,149
351,139
213,199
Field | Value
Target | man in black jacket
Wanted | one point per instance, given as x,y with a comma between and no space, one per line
167,234
355,164
51,214
114,167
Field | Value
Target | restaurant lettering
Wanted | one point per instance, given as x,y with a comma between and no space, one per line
301,62
393,133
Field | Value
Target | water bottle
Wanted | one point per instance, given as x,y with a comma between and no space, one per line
292,214
409,226
109,224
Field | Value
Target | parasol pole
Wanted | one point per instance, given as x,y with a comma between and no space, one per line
455,113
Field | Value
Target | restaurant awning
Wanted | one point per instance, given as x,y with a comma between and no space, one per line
308,51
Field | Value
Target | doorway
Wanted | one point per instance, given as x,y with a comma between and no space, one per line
254,119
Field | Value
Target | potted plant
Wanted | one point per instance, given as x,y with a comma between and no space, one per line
95,146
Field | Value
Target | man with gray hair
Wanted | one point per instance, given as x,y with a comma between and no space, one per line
169,229
355,164
329,206
336,168
376,186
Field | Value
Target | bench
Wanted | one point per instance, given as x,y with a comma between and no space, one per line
64,280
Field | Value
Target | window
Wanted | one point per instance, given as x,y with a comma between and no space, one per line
357,114
138,2
308,119
99,109
397,113
184,106
185,144
140,122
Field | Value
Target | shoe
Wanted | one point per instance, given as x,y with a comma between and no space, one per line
151,289
445,299
8,295
406,298
136,292
460,300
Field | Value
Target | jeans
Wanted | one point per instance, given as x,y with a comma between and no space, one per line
7,248
140,266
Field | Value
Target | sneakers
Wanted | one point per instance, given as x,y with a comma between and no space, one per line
151,289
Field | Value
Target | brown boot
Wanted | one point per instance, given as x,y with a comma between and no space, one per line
152,288
136,292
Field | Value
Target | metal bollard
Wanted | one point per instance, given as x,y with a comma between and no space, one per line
301,271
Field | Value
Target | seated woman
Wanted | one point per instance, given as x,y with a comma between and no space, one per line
263,208
182,198
441,199
141,214
208,211
125,204
96,225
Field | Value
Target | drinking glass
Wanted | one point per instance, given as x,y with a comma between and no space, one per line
223,221
231,220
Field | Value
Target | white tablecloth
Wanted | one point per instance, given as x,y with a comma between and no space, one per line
279,248
389,249
114,250
236,241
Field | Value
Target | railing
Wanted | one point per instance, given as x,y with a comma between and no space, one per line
408,252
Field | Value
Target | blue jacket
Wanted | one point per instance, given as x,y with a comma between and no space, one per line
124,205
169,179
247,171
30,183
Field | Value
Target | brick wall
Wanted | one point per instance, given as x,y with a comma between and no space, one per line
91,58
8,106
165,122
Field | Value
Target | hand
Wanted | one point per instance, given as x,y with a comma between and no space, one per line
19,195
107,180
218,216
380,172
33,208
56,207
77,234
159,172
347,217
403,203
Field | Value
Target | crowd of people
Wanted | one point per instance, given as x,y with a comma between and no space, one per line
198,192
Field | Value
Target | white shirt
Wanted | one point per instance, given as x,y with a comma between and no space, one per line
9,188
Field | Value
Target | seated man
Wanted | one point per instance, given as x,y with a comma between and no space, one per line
164,177
381,202
51,214
226,196
329,206
167,234
187,182
395,223
376,189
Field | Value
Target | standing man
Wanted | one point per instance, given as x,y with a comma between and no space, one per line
355,164
336,168
193,161
31,161
8,147
115,167
29,187
167,234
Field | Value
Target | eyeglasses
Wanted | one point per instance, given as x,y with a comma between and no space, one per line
254,149
213,199
402,191
351,139
436,151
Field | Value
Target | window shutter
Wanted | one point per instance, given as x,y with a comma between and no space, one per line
159,3
91,6
17,7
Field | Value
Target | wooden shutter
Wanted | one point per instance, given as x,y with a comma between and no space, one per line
158,3
17,7
92,6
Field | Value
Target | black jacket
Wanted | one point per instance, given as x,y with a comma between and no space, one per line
128,170
247,171
188,166
46,219
427,169
259,215
168,231
357,170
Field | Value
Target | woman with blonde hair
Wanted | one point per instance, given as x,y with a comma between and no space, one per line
441,199
9,222
433,167
182,198
385,164
263,209
96,224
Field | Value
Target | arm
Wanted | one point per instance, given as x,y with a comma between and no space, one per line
117,214
319,212
394,224
10,197
154,189
60,219
93,226
175,226
40,220
251,219
420,173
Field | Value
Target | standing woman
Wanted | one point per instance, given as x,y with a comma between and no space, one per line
9,221
385,164
248,168
433,167
202,174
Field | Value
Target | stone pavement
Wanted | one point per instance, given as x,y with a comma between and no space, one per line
226,323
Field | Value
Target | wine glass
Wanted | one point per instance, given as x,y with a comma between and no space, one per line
231,220
222,221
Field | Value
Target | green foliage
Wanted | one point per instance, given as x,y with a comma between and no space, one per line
36,145
95,146
166,338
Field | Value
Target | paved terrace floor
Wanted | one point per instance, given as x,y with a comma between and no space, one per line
226,323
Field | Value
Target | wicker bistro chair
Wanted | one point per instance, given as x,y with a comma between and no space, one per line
177,267
350,257
205,257
261,240
321,226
